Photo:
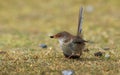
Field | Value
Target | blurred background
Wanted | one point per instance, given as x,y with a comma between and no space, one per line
35,20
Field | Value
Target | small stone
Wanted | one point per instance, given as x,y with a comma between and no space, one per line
98,54
106,48
107,56
68,72
43,45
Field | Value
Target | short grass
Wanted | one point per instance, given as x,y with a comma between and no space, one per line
24,24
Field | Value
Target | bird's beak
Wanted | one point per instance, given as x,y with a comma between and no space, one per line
55,36
51,36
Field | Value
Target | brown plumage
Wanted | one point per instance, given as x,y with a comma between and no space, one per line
71,45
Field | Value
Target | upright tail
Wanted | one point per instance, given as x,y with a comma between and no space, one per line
79,31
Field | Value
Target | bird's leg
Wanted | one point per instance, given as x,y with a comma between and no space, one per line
71,55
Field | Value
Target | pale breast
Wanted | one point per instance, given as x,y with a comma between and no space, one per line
66,50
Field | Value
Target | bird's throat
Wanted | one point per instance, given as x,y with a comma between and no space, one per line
63,41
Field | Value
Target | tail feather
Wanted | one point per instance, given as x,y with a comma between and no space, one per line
79,31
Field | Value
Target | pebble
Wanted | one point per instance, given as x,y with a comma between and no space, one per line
106,48
43,45
68,72
107,56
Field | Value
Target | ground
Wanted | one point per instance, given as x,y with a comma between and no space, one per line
25,24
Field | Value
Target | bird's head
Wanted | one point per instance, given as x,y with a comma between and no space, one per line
61,35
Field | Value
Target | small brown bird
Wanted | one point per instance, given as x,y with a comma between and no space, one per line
71,45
